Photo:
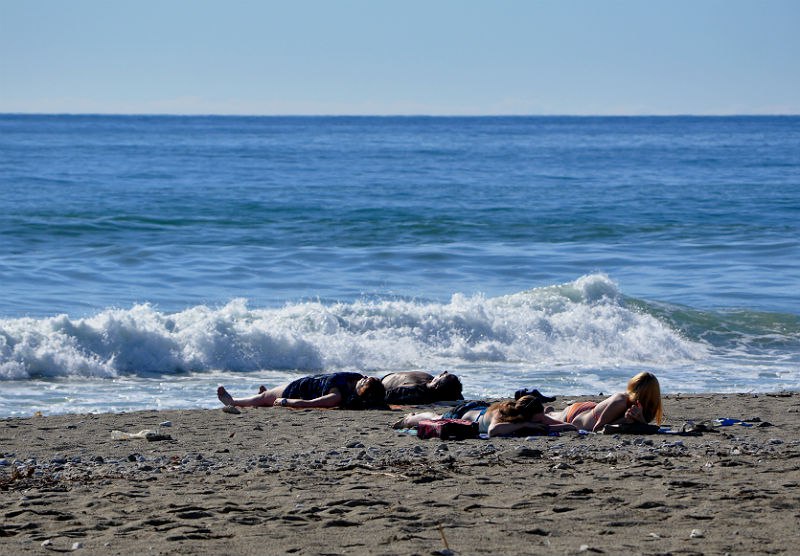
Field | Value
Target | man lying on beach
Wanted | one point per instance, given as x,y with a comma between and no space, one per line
417,387
506,418
345,390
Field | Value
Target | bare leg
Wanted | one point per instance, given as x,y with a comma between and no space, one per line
412,419
558,415
552,423
265,399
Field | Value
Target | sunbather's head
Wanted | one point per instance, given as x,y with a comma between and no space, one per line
517,411
446,386
370,390
645,390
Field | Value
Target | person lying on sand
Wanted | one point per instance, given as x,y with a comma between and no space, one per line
417,387
346,390
641,403
503,418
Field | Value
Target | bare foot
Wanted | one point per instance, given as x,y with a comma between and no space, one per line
224,397
262,389
401,424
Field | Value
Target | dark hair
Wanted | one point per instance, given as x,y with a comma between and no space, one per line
516,411
448,388
371,396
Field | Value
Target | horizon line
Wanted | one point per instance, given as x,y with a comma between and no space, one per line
409,115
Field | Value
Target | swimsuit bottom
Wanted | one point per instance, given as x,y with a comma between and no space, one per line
458,411
577,408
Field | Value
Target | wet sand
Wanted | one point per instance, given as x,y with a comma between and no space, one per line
278,481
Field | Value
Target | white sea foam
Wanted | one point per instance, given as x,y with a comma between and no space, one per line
583,323
577,337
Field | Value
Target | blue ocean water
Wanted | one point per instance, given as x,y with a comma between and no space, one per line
145,259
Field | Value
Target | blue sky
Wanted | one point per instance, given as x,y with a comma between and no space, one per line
439,57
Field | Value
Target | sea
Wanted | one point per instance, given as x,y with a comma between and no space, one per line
144,260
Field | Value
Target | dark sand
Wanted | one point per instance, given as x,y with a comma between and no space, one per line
278,481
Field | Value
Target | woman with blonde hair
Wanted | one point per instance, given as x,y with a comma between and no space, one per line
640,403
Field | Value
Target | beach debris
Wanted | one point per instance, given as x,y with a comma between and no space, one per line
48,544
697,534
146,434
537,531
728,421
165,424
444,541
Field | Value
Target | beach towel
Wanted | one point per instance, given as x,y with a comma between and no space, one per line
447,429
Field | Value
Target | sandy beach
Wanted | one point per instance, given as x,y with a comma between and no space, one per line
276,481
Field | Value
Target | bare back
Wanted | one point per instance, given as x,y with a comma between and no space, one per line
608,411
405,379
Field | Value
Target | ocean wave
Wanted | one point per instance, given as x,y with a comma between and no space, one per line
744,332
586,323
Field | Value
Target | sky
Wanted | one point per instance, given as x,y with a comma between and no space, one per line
410,57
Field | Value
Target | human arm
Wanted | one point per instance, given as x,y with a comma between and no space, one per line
555,425
635,414
509,429
541,425
610,411
331,399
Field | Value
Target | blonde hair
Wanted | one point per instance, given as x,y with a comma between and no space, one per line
645,390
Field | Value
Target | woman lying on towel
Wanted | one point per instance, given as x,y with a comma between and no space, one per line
346,390
523,416
641,403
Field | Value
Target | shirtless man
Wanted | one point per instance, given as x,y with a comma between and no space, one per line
417,387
